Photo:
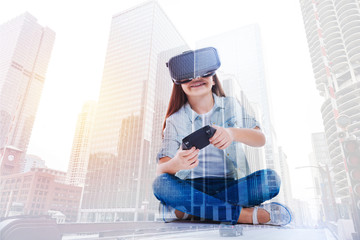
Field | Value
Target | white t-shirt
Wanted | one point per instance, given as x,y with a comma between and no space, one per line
211,159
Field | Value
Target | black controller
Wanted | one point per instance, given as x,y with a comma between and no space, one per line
199,138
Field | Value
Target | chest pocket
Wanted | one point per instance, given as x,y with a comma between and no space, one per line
231,122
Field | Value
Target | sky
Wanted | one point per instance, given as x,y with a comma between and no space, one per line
75,69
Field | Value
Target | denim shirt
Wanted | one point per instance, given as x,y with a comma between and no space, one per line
227,113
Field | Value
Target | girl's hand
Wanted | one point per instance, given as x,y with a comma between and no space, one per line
186,159
222,138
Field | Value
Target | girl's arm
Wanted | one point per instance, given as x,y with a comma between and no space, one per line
223,137
252,137
184,159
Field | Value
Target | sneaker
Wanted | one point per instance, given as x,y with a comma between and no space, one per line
167,213
280,215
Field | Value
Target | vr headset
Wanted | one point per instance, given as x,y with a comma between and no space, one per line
193,64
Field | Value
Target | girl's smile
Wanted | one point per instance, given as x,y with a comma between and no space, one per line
198,87
197,84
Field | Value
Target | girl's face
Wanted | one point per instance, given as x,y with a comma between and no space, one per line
198,87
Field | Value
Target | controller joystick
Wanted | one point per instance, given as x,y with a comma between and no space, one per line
210,131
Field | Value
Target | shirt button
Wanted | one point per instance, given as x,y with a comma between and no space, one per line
228,154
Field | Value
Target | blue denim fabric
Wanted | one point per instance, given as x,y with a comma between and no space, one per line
227,112
217,199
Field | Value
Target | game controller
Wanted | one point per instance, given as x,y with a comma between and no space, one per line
199,138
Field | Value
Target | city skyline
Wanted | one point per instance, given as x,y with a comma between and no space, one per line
296,71
303,123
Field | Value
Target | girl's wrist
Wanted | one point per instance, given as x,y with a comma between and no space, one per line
170,166
231,132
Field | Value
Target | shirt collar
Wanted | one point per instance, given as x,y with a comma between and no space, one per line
193,115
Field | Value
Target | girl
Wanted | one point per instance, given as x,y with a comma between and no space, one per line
205,183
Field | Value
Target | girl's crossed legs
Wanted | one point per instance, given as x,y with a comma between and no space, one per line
218,199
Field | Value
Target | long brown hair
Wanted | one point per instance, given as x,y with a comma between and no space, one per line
178,97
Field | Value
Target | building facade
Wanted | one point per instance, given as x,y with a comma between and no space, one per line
37,192
231,86
240,52
285,194
80,149
332,28
122,164
319,163
33,161
25,48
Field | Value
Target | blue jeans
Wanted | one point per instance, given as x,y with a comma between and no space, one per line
217,199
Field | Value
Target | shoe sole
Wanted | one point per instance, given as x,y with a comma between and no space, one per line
288,211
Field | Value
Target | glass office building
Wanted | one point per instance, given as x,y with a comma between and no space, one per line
80,149
240,52
25,48
134,89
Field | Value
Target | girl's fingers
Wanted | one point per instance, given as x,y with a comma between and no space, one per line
222,142
219,140
193,155
217,134
185,153
195,163
193,159
225,145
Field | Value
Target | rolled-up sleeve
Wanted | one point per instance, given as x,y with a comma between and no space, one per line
169,145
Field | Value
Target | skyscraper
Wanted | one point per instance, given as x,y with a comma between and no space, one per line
322,175
285,194
241,55
332,30
25,48
121,166
80,149
255,156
